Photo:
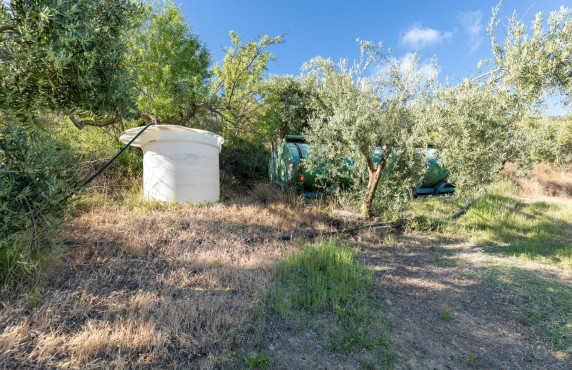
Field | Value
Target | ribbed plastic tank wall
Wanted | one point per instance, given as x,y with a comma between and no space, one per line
179,163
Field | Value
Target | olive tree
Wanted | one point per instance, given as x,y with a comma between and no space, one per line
532,61
477,124
473,124
475,127
56,57
370,120
65,56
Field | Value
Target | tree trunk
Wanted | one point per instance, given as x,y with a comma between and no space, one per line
373,180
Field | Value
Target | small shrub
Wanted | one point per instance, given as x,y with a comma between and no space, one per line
257,361
445,314
38,174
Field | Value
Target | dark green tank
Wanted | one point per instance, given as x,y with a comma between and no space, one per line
286,167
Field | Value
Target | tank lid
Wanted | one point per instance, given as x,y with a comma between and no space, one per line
157,133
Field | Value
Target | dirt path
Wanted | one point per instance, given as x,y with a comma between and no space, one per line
446,309
483,331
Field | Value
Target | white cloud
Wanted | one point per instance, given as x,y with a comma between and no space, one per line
472,23
418,36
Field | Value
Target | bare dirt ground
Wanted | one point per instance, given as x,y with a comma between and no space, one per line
419,277
181,288
483,331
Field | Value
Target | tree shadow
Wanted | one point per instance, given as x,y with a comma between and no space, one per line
519,228
158,289
498,314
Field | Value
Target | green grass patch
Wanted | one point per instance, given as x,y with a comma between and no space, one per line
510,226
324,277
537,230
543,303
257,361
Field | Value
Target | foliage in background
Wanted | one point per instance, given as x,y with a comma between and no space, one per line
35,193
475,127
288,105
80,58
237,92
286,108
244,161
238,85
65,56
547,140
171,66
360,115
98,145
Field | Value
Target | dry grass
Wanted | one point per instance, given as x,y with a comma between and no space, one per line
152,286
544,181
165,286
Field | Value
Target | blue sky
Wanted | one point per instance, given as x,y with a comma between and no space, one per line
452,31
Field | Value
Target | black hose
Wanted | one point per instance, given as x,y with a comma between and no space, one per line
90,179
398,225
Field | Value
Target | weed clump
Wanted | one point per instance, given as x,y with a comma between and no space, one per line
325,278
445,315
257,361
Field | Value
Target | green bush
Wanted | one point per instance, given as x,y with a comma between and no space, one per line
38,174
99,144
548,140
244,161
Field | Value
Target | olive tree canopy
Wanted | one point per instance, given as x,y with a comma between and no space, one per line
65,56
473,124
369,114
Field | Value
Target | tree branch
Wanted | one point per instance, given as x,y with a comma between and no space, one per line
6,28
80,124
149,117
489,73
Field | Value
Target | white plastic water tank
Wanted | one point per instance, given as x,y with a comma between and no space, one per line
179,163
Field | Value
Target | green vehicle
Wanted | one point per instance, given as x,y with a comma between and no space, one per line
286,168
